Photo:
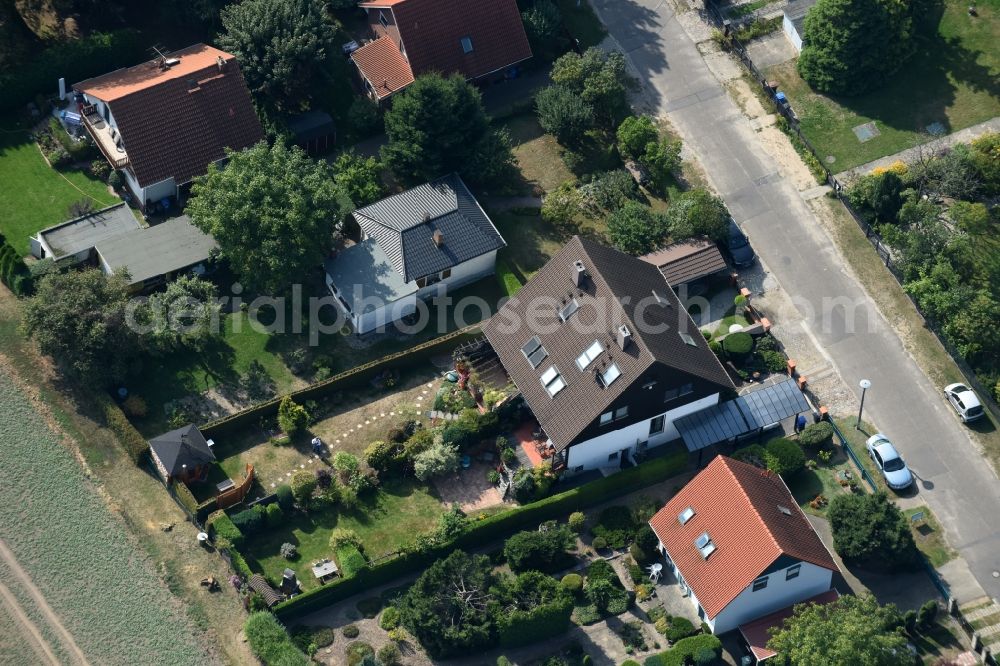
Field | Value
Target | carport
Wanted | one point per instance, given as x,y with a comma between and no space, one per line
748,415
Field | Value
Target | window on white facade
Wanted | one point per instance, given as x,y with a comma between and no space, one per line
606,418
621,412
760,584
612,456
383,20
421,282
466,45
589,354
445,274
552,381
656,425
792,571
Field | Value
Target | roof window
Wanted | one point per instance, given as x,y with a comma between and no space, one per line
704,545
785,510
568,309
688,340
534,351
589,354
466,44
553,381
610,375
686,515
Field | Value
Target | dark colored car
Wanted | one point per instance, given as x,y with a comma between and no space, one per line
738,244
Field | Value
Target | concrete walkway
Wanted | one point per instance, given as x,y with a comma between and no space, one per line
954,480
910,154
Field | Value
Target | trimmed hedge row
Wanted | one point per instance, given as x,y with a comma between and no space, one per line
271,643
520,627
135,444
490,529
220,526
693,650
347,379
185,497
13,271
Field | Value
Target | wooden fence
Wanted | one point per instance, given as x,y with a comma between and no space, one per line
237,493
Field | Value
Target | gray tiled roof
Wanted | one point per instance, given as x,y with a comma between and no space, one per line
404,226
180,447
618,287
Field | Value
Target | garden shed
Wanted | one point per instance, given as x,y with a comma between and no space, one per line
687,260
182,454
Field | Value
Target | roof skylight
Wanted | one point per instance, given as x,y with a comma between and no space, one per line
553,381
686,515
589,354
534,351
687,339
567,311
704,545
610,374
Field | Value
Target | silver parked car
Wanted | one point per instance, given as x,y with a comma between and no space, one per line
965,402
889,462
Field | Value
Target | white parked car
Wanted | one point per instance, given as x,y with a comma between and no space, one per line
895,472
965,402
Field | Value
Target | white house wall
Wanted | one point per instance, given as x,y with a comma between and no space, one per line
593,453
791,33
778,594
463,274
157,191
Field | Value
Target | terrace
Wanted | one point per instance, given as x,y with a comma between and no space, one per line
106,137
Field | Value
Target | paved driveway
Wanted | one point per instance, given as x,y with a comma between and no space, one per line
955,481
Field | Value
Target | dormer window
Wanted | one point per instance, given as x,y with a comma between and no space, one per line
534,351
610,375
383,20
466,44
589,354
552,381
567,310
685,515
688,340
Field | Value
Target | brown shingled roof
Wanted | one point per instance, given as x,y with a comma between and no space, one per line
741,508
619,290
175,122
687,260
384,66
432,30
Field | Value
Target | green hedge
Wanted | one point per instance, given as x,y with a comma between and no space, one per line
114,418
220,526
271,643
546,621
13,271
239,564
355,377
350,560
185,497
490,529
75,60
684,651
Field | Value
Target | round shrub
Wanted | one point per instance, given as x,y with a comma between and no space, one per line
351,631
715,346
774,361
817,435
389,619
599,543
740,300
389,654
285,498
358,651
342,536
680,627
572,583
630,662
784,456
576,521
662,625
289,551
737,344
274,515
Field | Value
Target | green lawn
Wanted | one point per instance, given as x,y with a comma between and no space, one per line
389,518
951,79
809,483
929,537
35,195
542,168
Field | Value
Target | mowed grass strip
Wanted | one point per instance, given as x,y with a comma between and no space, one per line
952,79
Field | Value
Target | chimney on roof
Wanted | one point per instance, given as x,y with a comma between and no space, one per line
579,272
438,237
221,62
624,337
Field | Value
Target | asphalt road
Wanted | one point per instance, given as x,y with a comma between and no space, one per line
953,479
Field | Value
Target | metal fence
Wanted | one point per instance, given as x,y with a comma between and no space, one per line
884,251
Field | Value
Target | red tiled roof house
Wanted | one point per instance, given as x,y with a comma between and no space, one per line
163,122
413,37
740,546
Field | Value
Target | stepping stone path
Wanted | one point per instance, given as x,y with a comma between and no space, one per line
982,609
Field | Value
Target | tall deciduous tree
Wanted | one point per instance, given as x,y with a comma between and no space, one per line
280,45
850,630
564,114
79,319
852,46
359,176
698,212
634,134
636,229
438,125
184,315
600,79
273,211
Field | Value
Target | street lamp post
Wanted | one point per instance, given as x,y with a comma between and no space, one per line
865,385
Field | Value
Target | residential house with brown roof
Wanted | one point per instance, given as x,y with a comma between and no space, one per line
605,356
740,546
412,37
163,122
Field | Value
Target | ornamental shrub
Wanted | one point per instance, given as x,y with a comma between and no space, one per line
539,550
576,521
285,498
389,619
273,514
680,627
292,417
817,435
737,344
927,614
250,520
389,654
220,527
289,551
303,485
601,570
871,530
572,583
753,455
616,524
351,631
270,642
341,536
599,543
784,456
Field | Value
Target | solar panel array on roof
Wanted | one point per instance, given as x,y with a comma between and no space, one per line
771,404
747,413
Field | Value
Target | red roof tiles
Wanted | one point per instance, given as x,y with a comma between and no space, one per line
432,32
743,509
384,66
